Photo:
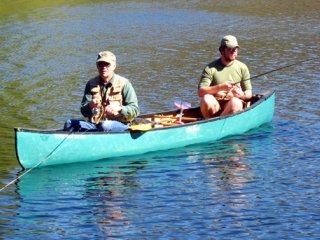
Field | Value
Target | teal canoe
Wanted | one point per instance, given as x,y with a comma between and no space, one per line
37,148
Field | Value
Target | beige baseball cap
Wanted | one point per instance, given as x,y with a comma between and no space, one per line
106,56
229,41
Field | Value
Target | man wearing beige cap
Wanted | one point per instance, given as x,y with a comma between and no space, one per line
225,85
109,101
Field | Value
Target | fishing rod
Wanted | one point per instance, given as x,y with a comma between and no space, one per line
280,68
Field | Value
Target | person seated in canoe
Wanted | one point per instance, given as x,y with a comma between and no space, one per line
225,84
109,101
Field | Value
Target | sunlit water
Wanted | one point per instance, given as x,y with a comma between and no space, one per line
261,185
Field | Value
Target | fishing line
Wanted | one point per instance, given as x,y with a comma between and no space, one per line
40,162
280,68
286,66
20,176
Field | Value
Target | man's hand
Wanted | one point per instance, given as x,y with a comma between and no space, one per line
95,103
231,90
237,91
227,86
113,109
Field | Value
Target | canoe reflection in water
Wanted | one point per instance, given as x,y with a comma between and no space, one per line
114,196
106,191
95,192
228,168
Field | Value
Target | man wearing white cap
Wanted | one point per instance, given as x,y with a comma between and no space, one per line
225,84
109,101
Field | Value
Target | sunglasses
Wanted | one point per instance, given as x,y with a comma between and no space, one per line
103,64
232,49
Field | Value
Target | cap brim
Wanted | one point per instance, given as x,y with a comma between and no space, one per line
232,46
108,60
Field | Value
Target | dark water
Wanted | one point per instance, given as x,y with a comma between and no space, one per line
262,185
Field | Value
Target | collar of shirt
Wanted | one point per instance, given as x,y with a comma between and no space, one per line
109,83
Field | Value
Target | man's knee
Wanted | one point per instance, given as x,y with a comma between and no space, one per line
236,103
78,126
209,106
208,99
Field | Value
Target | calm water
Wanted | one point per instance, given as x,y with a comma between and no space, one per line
261,185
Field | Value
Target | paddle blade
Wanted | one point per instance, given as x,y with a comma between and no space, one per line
141,127
182,105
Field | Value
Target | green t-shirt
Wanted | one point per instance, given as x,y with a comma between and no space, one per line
216,73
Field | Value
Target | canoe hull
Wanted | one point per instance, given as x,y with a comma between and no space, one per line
40,148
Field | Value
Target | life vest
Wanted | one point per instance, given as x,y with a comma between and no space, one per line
113,96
